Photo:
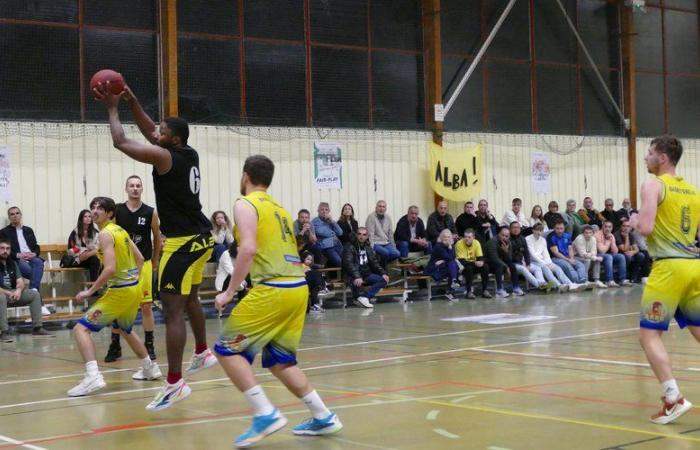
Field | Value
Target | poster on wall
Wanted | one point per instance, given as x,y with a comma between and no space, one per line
456,171
541,172
328,165
5,192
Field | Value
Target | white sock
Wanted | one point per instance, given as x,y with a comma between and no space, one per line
318,409
146,362
259,401
91,368
671,391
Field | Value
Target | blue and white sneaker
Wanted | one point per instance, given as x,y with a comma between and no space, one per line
319,427
262,426
169,394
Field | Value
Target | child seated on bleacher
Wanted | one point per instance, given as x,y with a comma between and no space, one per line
315,280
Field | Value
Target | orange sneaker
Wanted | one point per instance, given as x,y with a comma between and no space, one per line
671,411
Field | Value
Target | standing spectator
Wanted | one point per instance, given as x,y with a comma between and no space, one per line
13,293
626,211
438,221
536,216
347,223
410,234
572,219
82,244
611,255
627,245
561,249
328,233
25,249
306,238
223,234
471,256
610,214
553,215
515,215
361,267
590,215
443,262
539,256
587,252
467,219
521,258
499,257
381,234
486,224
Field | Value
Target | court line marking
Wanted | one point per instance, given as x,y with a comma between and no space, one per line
432,414
362,444
330,366
352,344
9,440
446,433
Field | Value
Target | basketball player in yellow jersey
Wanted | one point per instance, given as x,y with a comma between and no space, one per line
669,217
121,262
270,319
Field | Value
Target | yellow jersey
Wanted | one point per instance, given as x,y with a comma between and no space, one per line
126,272
468,252
677,219
277,255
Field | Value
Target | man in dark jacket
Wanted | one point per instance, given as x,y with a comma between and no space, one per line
362,268
440,220
466,220
611,215
485,224
25,249
410,234
499,257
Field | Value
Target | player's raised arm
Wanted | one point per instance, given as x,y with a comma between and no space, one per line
148,128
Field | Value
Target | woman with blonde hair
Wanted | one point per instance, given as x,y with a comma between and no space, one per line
443,261
222,230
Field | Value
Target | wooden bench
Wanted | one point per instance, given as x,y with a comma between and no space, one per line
53,253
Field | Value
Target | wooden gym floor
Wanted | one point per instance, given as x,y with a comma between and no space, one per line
400,377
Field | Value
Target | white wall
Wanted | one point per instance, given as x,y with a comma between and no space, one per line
58,168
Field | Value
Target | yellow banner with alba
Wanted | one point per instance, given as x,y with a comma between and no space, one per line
456,172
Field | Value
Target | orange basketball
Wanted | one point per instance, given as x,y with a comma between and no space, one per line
116,80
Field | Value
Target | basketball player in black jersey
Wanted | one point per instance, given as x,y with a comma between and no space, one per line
140,221
189,242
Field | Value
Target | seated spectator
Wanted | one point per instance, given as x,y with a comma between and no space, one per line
13,293
499,257
536,216
573,221
539,256
347,223
610,214
443,262
438,221
315,281
82,244
470,255
627,245
553,216
486,224
410,234
361,268
515,215
306,238
626,211
521,258
611,256
590,215
222,230
25,250
467,219
561,249
381,234
328,233
587,252
224,270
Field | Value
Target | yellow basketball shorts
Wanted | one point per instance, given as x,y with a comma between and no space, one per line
146,281
120,304
182,263
673,290
270,318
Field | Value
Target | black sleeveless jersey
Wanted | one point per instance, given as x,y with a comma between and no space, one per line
177,195
138,225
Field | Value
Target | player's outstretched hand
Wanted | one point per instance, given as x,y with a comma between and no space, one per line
104,95
128,94
222,300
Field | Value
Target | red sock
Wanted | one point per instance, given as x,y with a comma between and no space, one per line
199,348
174,377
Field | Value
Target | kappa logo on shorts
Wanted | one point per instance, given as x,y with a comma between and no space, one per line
169,286
655,312
237,344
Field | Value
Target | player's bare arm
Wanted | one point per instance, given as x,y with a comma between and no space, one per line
651,196
148,128
137,255
109,266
